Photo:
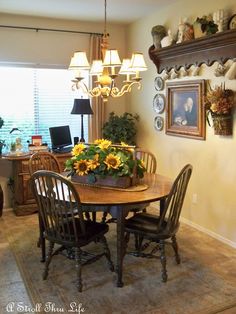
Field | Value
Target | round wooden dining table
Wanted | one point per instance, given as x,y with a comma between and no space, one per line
119,202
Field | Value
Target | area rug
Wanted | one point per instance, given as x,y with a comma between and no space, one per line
204,282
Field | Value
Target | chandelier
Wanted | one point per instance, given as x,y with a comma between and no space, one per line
107,70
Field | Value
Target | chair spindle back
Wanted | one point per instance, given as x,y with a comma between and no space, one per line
57,200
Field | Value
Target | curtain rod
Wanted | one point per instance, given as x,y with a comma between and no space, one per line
50,30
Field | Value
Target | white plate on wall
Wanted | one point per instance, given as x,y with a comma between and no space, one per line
158,123
159,83
159,103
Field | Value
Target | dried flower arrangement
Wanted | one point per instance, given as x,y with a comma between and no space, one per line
219,104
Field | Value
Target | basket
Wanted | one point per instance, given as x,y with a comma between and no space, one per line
222,124
110,181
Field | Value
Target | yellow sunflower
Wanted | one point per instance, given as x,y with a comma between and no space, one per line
112,161
82,167
98,141
125,145
77,149
103,144
93,163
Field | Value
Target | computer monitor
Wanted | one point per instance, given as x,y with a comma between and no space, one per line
60,137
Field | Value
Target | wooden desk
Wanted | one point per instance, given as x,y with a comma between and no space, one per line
120,203
23,202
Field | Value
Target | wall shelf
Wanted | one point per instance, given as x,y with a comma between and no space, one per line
218,47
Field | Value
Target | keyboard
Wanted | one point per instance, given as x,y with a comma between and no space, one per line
63,150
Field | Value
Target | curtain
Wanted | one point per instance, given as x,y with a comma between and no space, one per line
96,120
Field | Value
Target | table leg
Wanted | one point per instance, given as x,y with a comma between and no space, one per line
1,200
120,245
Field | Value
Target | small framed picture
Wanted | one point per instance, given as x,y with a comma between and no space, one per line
185,114
36,140
159,103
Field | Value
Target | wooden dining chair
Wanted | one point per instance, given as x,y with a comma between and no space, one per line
150,163
160,228
57,200
43,161
148,159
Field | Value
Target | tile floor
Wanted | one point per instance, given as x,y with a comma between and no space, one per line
12,288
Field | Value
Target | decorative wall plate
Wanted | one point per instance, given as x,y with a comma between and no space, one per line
232,22
158,123
159,103
159,83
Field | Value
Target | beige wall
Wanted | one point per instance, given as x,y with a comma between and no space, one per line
50,49
213,160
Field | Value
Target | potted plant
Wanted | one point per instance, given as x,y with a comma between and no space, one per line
2,142
103,163
204,26
219,105
121,128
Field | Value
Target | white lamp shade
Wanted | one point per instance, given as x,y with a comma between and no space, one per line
79,61
137,62
111,59
125,67
96,68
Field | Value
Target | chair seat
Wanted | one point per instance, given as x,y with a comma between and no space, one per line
147,225
93,230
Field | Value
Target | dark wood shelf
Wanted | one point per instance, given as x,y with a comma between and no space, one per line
218,47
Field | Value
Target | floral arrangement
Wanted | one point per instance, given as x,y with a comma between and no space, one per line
219,104
219,100
104,159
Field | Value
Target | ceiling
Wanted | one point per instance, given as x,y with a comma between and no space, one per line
118,11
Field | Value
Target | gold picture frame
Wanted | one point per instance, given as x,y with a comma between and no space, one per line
185,115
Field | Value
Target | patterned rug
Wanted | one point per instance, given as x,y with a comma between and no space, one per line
204,283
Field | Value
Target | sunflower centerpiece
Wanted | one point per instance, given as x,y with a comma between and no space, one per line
103,163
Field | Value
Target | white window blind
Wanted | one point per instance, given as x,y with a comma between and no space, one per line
33,100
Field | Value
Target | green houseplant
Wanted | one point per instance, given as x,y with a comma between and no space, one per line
2,142
121,128
204,26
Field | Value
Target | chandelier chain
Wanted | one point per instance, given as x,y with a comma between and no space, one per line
105,17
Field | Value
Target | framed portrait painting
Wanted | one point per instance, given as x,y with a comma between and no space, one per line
185,109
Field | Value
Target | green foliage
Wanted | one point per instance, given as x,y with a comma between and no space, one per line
2,142
207,25
1,122
121,128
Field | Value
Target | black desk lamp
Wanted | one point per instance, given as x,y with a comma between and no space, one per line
82,106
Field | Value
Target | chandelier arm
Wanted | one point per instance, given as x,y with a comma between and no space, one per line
83,86
125,89
95,92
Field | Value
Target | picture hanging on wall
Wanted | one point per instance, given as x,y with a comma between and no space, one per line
185,114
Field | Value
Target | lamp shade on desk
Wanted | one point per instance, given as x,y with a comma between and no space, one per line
82,106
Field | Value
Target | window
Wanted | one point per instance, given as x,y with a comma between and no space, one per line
33,100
